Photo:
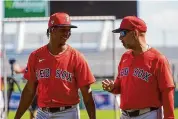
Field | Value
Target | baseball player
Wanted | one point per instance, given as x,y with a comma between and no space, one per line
55,72
144,80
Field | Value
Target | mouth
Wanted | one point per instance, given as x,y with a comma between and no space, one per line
123,44
64,37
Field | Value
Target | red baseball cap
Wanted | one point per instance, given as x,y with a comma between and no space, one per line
131,23
60,19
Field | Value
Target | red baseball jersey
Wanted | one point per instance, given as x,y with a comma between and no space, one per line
141,78
59,77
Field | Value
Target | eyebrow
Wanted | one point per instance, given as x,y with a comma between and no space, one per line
64,28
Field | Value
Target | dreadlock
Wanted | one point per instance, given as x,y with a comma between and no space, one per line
48,32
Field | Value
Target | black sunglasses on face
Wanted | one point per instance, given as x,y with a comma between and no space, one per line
123,33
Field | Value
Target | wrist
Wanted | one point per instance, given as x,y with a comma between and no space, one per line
111,90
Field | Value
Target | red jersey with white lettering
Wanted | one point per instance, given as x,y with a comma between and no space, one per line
59,77
142,78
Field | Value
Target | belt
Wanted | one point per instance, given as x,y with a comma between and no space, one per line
138,112
55,109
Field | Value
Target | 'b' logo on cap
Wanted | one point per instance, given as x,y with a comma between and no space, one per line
52,22
67,18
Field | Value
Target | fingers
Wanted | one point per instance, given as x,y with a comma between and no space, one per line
107,85
106,88
106,82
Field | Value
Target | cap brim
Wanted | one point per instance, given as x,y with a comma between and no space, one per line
116,30
71,26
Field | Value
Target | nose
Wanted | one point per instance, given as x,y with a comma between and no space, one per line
66,33
69,33
121,38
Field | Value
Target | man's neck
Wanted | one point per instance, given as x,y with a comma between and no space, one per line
55,50
141,49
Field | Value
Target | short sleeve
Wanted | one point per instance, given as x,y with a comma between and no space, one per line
29,73
164,75
83,73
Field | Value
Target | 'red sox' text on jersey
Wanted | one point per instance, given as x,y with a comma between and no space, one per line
137,74
59,77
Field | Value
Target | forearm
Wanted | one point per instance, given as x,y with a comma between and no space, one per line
116,89
168,103
25,101
90,107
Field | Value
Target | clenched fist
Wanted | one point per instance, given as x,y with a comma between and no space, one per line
108,85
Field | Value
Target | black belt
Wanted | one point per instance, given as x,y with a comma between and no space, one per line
55,109
137,112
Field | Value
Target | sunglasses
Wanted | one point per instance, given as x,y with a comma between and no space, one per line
123,33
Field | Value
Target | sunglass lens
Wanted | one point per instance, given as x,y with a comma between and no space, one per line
123,33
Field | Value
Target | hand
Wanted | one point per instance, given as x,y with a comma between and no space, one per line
18,69
108,85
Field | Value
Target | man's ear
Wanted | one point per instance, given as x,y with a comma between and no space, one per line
51,29
136,33
69,34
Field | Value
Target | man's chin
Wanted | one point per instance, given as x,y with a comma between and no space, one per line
126,47
61,44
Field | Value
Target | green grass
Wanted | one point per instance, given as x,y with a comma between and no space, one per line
12,115
176,113
97,86
101,114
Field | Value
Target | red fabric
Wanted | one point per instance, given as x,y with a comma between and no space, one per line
59,19
168,103
59,77
142,79
132,23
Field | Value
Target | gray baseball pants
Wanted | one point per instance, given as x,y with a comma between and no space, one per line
72,113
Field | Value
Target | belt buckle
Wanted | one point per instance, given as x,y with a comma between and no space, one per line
143,111
126,112
132,114
45,109
61,108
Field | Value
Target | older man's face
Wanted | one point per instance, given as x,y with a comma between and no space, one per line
127,40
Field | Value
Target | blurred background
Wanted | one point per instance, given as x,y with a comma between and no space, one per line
23,28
